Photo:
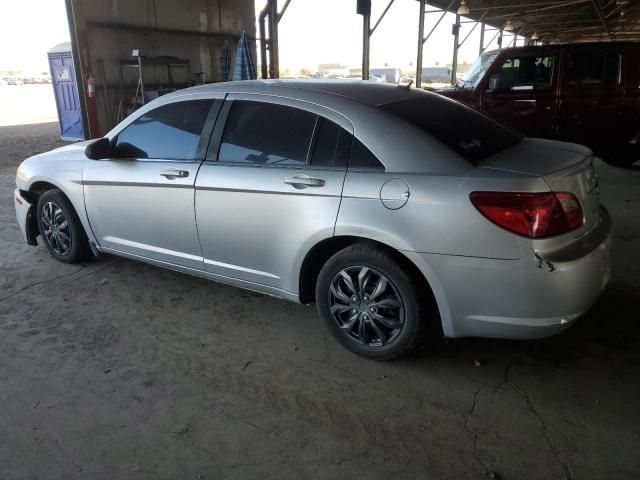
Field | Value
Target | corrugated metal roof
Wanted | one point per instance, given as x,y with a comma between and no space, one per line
558,20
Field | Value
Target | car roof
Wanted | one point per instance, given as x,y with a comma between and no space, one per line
365,92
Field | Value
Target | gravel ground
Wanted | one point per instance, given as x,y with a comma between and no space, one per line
119,370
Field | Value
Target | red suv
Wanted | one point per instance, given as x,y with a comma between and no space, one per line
584,93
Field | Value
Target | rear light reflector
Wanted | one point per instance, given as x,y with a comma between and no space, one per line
533,215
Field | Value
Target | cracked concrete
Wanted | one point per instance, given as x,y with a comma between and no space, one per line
119,370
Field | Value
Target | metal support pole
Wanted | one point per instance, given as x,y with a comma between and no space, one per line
264,67
284,9
273,39
140,79
384,12
366,21
500,38
420,45
515,37
456,46
475,24
482,26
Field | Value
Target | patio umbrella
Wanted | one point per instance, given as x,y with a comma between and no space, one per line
225,62
244,68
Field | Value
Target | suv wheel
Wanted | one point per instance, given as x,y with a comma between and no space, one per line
60,228
369,303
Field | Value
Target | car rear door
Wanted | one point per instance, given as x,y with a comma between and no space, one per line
592,107
520,91
270,187
141,202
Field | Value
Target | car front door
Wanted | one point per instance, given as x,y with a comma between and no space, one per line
520,91
140,202
270,188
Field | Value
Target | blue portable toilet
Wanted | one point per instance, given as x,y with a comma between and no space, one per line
65,88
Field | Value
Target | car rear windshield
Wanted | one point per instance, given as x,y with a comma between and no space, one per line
469,133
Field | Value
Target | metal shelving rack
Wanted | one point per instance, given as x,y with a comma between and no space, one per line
139,62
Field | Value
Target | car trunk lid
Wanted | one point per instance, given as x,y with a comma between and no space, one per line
565,167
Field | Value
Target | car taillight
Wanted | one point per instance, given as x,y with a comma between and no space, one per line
534,215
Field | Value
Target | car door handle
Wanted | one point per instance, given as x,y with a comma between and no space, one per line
171,174
304,181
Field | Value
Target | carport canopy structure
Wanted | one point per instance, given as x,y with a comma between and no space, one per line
557,21
535,21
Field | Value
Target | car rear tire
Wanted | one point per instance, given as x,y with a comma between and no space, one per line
370,304
60,228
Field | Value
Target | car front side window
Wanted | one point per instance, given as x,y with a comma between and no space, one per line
169,132
523,73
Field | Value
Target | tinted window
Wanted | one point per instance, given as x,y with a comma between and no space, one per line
469,133
326,142
266,134
593,68
476,71
343,150
332,144
524,73
361,157
168,132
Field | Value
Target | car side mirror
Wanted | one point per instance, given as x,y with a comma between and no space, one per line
494,81
99,149
495,85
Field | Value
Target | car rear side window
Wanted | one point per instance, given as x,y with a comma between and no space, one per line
266,134
593,69
169,132
363,158
331,145
469,133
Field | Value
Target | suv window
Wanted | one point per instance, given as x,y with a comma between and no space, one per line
469,133
169,132
266,134
524,73
593,69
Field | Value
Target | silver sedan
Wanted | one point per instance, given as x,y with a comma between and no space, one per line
400,213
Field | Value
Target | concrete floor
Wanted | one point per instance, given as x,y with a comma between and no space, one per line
22,104
119,370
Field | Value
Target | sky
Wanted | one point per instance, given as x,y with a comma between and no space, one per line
311,32
330,31
28,28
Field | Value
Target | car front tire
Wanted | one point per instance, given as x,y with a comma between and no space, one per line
60,228
370,304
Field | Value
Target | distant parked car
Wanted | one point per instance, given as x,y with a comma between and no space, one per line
407,79
436,75
14,81
390,75
3,81
399,212
584,93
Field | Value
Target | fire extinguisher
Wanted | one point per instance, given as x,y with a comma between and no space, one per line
91,86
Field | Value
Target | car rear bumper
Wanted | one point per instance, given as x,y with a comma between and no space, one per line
521,299
24,213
